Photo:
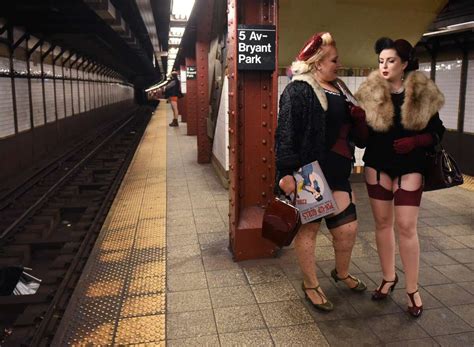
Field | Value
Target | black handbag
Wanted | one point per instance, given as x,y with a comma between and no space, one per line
442,171
281,221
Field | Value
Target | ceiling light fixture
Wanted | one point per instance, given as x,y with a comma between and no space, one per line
466,26
181,9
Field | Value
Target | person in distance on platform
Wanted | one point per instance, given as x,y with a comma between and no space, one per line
401,107
315,123
172,93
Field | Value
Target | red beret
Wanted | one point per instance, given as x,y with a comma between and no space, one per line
311,47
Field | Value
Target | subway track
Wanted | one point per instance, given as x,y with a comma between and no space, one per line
50,224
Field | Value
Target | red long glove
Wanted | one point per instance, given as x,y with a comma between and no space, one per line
357,113
361,130
408,144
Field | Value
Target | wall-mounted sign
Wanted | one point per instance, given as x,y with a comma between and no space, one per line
182,75
190,72
256,47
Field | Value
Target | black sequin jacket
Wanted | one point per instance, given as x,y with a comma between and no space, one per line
300,133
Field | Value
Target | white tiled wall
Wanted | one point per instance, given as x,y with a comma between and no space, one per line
68,97
35,68
4,64
353,82
99,94
425,68
20,66
102,94
105,95
37,101
60,99
75,96
282,83
49,96
221,136
448,79
469,107
48,69
81,96
87,96
22,104
92,93
72,96
7,122
96,94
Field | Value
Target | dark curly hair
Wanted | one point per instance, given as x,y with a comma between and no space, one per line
404,50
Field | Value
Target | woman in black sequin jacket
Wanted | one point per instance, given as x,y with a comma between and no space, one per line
315,123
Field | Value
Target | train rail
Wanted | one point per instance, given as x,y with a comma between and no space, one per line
52,226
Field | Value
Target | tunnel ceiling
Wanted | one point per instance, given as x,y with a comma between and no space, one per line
355,25
74,25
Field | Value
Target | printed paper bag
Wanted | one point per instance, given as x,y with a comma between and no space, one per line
314,198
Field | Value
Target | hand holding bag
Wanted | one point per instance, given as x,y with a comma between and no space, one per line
441,171
280,222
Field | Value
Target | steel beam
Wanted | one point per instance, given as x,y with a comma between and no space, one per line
36,45
204,25
252,123
12,76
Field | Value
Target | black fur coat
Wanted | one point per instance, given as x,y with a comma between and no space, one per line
300,134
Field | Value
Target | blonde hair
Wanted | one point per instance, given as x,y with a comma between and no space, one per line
299,67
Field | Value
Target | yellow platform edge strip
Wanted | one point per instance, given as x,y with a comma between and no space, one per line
124,299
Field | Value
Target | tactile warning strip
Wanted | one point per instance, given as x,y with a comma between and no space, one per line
468,183
121,299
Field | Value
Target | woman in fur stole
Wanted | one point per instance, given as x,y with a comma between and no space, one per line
315,123
401,107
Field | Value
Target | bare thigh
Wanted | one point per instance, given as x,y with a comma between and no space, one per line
371,178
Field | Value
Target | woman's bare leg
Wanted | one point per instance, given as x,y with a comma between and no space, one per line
406,218
382,211
174,107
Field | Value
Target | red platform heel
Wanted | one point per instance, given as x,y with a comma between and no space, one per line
414,311
379,295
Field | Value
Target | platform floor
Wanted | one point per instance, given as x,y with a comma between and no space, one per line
161,272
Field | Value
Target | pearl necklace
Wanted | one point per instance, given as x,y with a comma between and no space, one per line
399,91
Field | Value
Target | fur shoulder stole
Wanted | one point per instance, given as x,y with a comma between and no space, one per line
318,90
422,100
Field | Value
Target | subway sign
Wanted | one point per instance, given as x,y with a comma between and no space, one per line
191,72
256,47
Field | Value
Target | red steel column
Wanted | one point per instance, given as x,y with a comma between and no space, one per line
252,122
191,99
182,101
204,145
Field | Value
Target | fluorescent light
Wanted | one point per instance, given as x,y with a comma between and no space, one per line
156,86
466,26
176,31
174,41
181,9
